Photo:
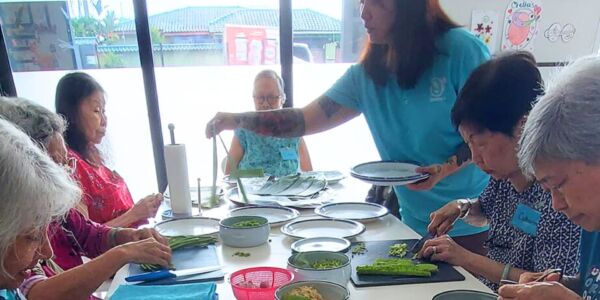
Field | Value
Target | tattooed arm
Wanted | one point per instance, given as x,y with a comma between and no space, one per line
320,115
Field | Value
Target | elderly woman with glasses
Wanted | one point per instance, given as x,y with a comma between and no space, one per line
560,147
33,192
276,156
75,236
490,118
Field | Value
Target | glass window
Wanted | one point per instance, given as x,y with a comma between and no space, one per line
48,39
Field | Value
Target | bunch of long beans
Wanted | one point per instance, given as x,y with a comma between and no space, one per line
179,242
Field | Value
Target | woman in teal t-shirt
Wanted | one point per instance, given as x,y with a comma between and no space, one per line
276,156
405,85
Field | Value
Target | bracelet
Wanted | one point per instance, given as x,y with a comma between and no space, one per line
505,272
464,205
112,236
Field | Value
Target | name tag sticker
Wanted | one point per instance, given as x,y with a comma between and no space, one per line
526,219
288,154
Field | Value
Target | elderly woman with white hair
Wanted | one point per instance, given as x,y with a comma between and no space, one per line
560,146
33,191
76,236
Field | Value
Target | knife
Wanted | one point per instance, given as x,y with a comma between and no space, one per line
163,274
419,245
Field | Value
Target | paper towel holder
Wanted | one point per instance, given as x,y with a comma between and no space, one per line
172,133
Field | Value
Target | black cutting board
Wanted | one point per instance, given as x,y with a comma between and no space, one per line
187,258
380,249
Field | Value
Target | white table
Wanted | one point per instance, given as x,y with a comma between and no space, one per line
276,253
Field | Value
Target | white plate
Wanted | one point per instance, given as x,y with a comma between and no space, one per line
188,226
321,244
358,211
205,192
337,228
386,173
277,215
332,177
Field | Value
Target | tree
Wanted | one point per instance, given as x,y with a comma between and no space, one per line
85,27
156,36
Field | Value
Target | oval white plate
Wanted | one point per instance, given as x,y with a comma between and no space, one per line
323,228
277,215
332,177
387,173
188,226
321,244
358,211
233,196
464,295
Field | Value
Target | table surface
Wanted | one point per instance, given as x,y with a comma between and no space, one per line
276,253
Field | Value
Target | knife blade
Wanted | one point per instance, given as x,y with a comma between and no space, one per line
419,244
163,274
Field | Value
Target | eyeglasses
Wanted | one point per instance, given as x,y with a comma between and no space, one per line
269,98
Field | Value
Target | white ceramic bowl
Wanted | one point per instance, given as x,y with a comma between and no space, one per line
329,290
300,264
244,237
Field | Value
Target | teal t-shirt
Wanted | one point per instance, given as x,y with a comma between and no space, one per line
590,265
277,156
414,125
10,295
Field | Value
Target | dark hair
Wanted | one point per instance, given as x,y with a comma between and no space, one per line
71,90
499,93
412,50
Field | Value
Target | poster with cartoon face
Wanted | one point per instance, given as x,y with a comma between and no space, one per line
484,25
521,24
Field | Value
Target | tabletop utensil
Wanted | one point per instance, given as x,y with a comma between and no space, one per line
419,245
162,274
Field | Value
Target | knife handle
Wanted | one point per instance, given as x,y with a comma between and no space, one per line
151,276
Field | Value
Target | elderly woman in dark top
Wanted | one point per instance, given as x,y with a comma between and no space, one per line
33,191
560,146
75,236
525,233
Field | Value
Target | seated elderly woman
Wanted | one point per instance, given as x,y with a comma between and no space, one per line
75,236
80,100
560,146
525,233
33,191
276,156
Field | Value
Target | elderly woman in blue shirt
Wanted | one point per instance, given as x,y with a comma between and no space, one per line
405,84
33,191
489,114
560,146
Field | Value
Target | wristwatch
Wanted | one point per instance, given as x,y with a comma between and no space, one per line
464,205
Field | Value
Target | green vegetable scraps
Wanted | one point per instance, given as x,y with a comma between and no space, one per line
180,242
397,267
246,224
241,254
359,248
326,264
398,250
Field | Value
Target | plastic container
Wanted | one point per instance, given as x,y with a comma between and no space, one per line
270,278
244,237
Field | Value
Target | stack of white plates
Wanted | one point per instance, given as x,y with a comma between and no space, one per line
387,173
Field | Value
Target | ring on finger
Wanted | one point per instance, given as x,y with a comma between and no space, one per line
434,250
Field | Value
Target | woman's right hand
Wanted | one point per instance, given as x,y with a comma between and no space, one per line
221,121
147,207
442,220
148,251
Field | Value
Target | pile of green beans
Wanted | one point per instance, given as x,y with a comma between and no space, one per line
179,242
396,267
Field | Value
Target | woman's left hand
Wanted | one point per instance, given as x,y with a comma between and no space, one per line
445,249
437,172
132,235
536,290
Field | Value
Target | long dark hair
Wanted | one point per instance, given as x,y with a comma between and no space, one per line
71,90
412,49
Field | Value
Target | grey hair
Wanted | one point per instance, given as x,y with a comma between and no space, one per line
273,75
37,121
563,124
33,189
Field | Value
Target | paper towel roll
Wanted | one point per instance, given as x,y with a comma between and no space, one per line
177,176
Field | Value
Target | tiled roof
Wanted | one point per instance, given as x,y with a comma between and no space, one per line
155,47
213,19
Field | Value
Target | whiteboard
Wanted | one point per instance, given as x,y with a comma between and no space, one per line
583,14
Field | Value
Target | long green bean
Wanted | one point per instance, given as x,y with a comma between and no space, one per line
179,242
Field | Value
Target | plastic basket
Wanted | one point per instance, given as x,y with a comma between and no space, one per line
269,278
